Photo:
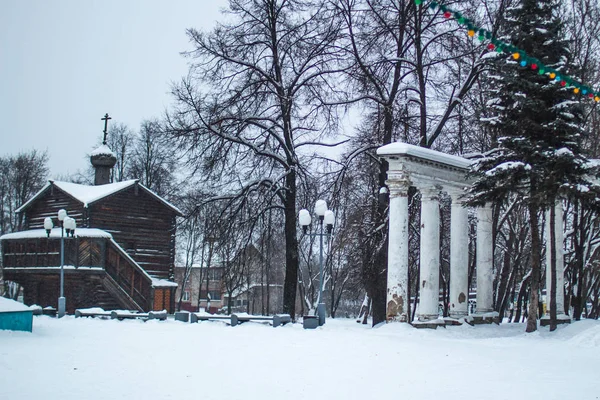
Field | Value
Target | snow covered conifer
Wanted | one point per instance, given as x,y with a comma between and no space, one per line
538,125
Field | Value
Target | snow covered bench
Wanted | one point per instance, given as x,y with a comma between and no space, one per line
92,312
124,314
278,319
237,319
200,316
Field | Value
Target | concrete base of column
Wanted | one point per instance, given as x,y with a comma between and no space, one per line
483,318
458,315
429,324
453,321
560,319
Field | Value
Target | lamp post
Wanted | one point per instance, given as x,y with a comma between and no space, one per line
325,216
66,223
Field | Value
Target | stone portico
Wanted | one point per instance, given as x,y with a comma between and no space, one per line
433,172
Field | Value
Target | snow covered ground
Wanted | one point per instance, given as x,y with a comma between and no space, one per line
109,359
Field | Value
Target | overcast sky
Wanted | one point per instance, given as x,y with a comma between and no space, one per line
64,64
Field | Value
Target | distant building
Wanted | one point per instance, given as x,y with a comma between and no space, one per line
121,257
244,277
198,280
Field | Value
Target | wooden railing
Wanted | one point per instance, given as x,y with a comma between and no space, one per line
44,252
128,275
102,253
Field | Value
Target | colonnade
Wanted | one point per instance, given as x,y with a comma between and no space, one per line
429,287
432,173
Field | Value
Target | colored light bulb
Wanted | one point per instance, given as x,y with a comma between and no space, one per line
471,33
516,56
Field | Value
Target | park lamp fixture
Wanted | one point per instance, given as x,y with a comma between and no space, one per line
48,225
328,217
325,216
70,226
66,223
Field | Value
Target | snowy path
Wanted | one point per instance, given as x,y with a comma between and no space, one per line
109,359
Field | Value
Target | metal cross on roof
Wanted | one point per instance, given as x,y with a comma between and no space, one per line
105,119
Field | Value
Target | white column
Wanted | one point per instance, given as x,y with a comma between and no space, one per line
559,250
397,274
429,280
459,258
485,260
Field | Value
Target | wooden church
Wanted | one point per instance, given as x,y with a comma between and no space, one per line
121,255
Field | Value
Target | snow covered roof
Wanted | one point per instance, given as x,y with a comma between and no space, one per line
55,233
8,305
103,150
405,149
88,194
163,283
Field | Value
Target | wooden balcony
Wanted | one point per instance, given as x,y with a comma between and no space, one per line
31,257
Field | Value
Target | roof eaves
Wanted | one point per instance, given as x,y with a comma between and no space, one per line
35,196
165,202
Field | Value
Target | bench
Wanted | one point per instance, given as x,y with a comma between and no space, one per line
277,320
120,315
90,312
198,317
237,319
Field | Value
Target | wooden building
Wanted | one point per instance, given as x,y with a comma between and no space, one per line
121,256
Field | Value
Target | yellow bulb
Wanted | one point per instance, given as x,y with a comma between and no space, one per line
552,75
516,56
471,33
597,99
576,90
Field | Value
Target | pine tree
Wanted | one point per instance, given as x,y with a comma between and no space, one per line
537,121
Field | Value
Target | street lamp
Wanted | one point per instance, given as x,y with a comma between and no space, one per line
66,223
325,216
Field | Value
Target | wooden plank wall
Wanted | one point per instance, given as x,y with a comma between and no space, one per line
142,225
48,205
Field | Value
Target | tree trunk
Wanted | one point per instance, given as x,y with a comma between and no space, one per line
552,249
578,224
535,266
291,242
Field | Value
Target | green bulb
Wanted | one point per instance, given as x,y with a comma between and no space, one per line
481,38
541,71
417,2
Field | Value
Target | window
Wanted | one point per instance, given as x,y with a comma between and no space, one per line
214,274
215,295
186,296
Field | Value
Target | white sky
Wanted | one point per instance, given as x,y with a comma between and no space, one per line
64,64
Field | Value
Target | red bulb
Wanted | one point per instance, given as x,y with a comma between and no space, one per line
491,46
563,83
447,14
533,66
591,95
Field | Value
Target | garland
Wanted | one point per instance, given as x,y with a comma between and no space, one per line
517,53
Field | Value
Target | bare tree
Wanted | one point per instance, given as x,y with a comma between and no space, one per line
121,141
260,72
153,162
